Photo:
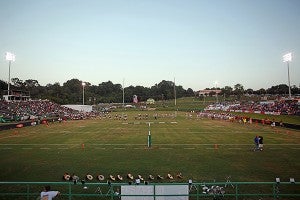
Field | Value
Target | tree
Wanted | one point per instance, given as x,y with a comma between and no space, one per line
238,90
249,91
227,91
295,90
30,83
278,89
72,90
166,88
3,86
261,91
18,83
190,92
106,92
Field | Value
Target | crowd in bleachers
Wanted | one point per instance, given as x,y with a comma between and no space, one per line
276,107
37,109
212,115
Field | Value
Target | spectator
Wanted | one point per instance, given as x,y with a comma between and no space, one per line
47,194
256,142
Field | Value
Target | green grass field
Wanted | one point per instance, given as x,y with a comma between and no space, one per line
201,149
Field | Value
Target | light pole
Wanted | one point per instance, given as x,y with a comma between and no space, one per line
216,83
288,58
123,93
174,93
10,57
83,85
149,142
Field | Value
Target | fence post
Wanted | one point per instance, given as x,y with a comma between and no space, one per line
236,192
154,192
197,191
27,191
70,192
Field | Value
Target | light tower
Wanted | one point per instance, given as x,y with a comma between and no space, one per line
216,84
288,58
10,57
83,85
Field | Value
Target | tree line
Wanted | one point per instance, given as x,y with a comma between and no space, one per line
71,92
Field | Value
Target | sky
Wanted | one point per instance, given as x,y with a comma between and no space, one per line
198,43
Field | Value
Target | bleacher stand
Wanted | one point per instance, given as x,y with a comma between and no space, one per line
37,109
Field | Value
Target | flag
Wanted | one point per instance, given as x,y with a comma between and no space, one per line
135,99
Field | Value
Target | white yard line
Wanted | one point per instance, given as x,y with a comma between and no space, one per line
100,148
104,146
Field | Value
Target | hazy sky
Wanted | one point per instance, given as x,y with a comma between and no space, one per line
144,42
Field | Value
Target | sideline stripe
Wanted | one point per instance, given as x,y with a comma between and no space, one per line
143,144
44,148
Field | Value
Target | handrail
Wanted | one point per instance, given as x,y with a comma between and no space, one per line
93,189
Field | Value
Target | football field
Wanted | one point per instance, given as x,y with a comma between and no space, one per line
200,149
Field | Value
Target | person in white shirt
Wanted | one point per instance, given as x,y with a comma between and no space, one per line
47,194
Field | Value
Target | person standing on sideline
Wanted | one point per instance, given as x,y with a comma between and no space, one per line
47,194
256,142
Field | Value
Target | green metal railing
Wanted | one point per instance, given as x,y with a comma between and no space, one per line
89,190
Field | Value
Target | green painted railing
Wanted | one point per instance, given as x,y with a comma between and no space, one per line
93,190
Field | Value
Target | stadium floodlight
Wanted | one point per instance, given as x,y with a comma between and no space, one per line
83,85
288,58
10,57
